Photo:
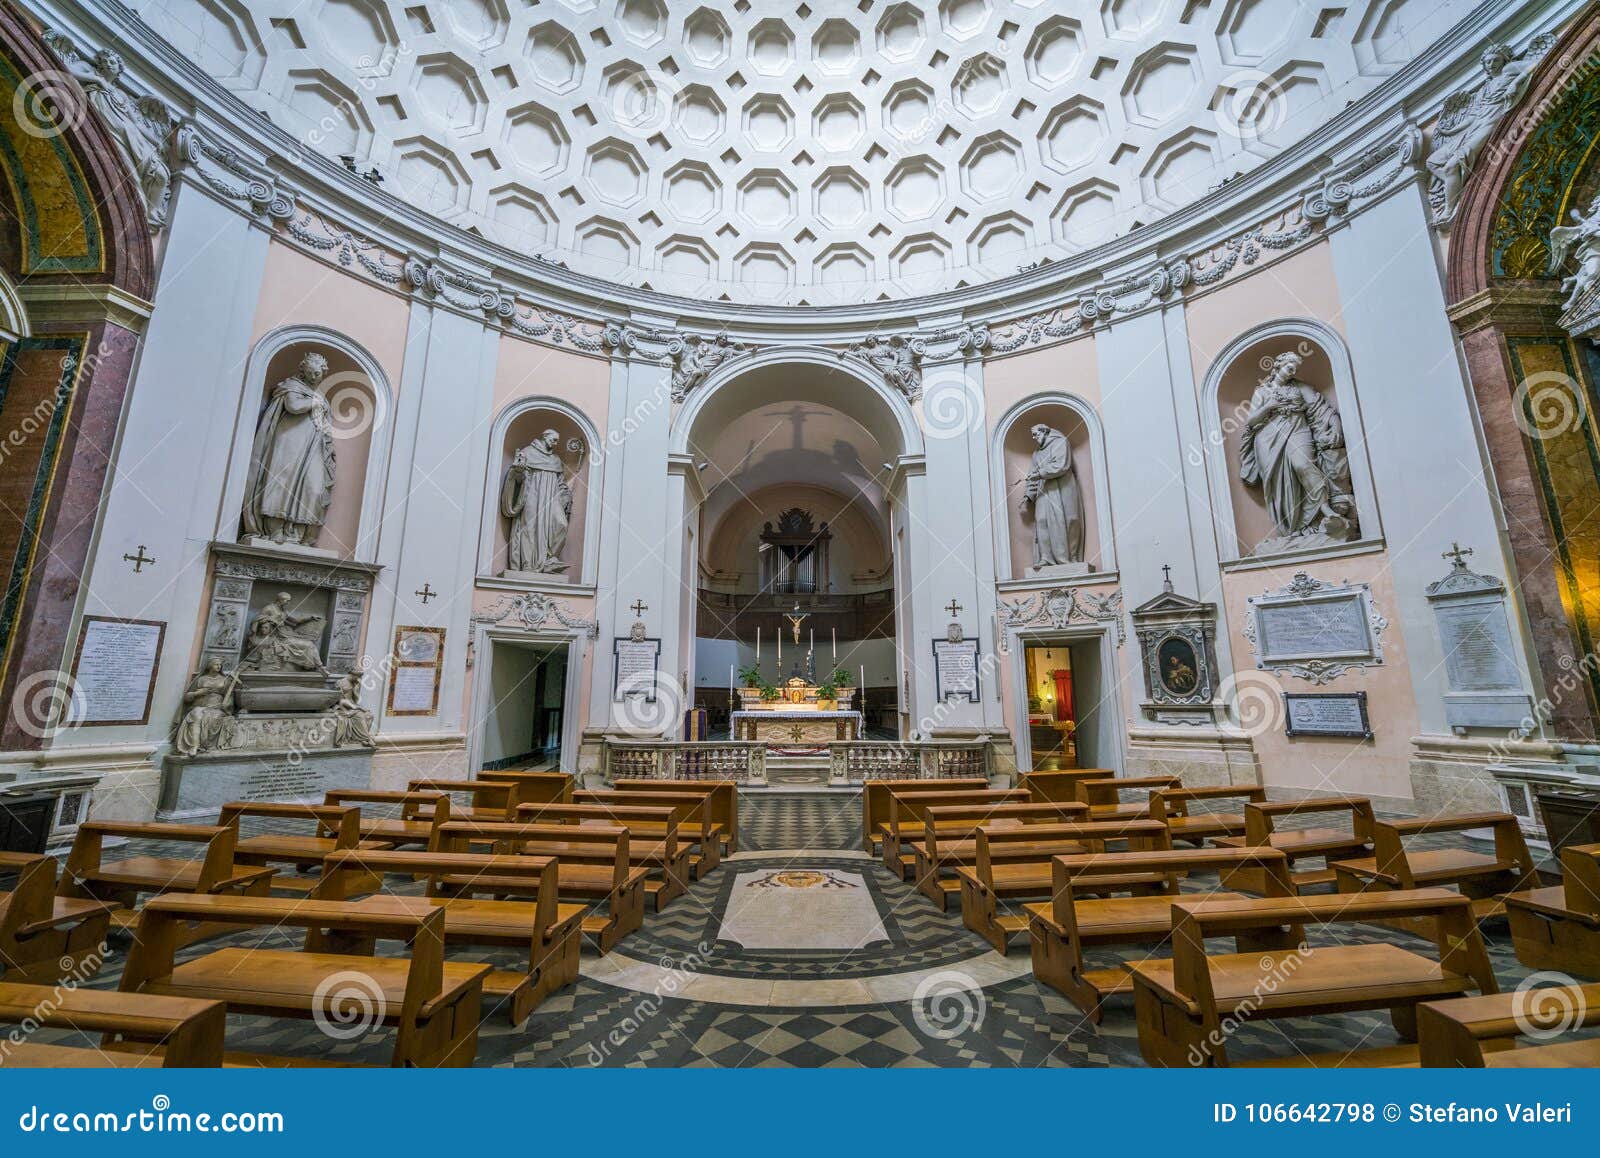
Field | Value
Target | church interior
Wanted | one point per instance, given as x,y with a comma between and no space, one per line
640,533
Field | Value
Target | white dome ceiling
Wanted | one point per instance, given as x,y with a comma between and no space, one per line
819,151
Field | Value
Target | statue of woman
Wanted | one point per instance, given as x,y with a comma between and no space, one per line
538,502
1293,449
207,721
1051,490
352,724
279,640
291,466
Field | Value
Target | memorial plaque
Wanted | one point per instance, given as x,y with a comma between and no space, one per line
634,668
418,663
114,671
1477,647
955,669
1326,714
1313,629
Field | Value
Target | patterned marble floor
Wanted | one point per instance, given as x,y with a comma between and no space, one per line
917,990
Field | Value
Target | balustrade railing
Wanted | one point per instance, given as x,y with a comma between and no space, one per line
852,761
741,761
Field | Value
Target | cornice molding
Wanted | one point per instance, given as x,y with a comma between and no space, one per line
1289,200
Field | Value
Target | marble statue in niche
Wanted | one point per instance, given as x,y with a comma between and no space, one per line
281,641
536,498
1293,449
207,722
292,463
1051,493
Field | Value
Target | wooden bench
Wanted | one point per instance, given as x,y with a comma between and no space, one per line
875,802
694,817
45,938
176,1032
653,839
550,931
1104,796
1483,1032
1181,1004
593,866
950,839
1060,785
433,1004
995,875
1485,878
908,811
486,799
724,808
537,787
421,814
87,876
1176,808
1074,921
1331,844
336,828
1558,927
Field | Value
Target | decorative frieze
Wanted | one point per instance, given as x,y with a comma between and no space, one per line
532,610
1057,608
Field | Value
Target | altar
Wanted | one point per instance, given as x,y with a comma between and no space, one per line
789,725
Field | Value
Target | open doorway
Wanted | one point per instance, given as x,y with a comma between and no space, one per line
527,697
1064,704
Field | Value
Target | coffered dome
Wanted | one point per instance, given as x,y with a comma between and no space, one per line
811,152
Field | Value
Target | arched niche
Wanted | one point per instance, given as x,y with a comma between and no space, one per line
1013,458
1242,518
519,424
360,405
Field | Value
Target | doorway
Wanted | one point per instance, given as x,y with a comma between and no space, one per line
527,706
1066,713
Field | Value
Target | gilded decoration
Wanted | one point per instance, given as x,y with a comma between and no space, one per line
60,228
1540,190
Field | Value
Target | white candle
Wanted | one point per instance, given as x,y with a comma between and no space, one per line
834,631
758,644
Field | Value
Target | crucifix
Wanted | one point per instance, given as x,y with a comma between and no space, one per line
140,559
426,593
1457,554
953,608
639,608
796,618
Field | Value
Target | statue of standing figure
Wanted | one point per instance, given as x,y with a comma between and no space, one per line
1293,449
1051,490
291,465
538,501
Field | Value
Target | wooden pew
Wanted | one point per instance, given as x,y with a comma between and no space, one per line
1060,785
1104,796
486,799
551,932
537,787
433,1004
1175,807
995,875
1558,927
176,1032
421,814
694,813
335,828
45,938
1074,921
88,877
1485,878
653,839
908,811
875,802
593,866
950,839
724,807
1331,844
1483,1032
1181,1004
